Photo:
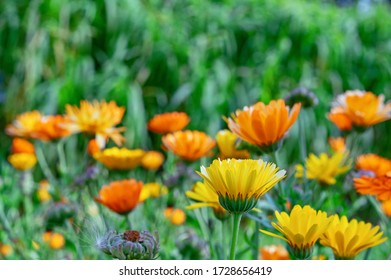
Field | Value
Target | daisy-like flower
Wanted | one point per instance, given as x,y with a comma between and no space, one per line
206,197
152,190
301,229
97,118
119,158
168,122
324,168
359,109
378,186
226,141
348,238
23,155
120,196
264,125
152,160
378,165
274,252
338,144
189,145
240,183
25,125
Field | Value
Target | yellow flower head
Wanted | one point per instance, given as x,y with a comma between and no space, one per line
240,183
55,240
263,125
360,109
98,118
152,190
43,191
152,160
323,168
25,125
349,238
176,216
119,158
22,161
206,197
301,229
226,141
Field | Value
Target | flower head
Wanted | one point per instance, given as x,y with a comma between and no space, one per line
359,109
176,216
386,207
301,95
52,128
189,145
43,193
120,196
98,118
20,146
119,158
226,141
274,252
168,122
152,160
5,250
25,125
22,161
55,240
301,229
324,168
263,125
152,190
240,183
338,144
349,238
378,186
378,165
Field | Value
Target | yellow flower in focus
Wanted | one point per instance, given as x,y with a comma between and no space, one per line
226,141
25,125
168,122
43,191
55,240
274,252
206,197
338,144
120,158
348,238
324,169
377,186
22,161
152,160
380,166
5,250
189,145
360,109
176,216
240,183
301,229
152,190
98,118
263,125
386,206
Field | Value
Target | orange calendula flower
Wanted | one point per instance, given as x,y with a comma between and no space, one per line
5,250
20,146
152,160
378,186
263,125
98,118
52,128
25,125
370,162
360,109
168,122
386,206
274,252
120,158
152,190
93,147
120,196
55,240
189,145
176,216
338,144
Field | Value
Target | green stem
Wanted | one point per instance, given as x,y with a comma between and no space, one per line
61,157
235,232
255,241
367,253
128,220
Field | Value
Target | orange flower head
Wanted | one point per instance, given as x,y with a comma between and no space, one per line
120,158
274,252
377,186
168,122
370,162
189,145
93,147
5,250
337,144
52,128
176,216
25,125
386,206
359,109
263,125
152,160
20,146
55,240
120,196
98,118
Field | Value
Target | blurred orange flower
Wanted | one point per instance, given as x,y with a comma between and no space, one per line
378,186
274,252
120,158
176,216
52,128
263,125
168,122
386,206
93,147
359,108
55,240
98,118
120,196
25,125
189,145
152,160
380,166
5,249
337,144
20,146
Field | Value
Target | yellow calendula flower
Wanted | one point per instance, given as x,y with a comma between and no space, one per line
43,191
152,190
22,161
55,240
176,216
301,229
240,183
349,238
119,158
226,141
152,160
206,197
324,168
97,118
25,125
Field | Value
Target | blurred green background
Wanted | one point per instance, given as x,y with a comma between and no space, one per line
207,58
